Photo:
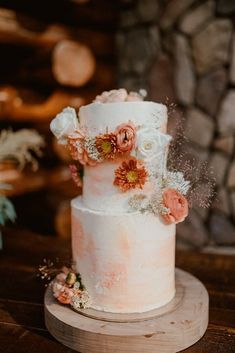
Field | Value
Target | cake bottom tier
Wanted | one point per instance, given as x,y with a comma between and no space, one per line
126,261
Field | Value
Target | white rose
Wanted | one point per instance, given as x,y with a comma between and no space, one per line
63,124
151,143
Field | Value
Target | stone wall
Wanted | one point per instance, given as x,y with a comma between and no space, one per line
183,51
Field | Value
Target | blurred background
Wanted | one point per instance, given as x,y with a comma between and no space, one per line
56,55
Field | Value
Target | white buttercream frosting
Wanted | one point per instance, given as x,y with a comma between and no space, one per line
102,117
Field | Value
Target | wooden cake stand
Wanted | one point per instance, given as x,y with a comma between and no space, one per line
170,329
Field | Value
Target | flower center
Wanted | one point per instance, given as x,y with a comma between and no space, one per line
126,137
132,176
148,145
106,146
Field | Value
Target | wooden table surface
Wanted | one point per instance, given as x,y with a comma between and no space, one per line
22,328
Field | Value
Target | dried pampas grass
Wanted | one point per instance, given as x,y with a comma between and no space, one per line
21,146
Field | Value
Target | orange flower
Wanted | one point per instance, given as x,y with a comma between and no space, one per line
65,295
107,145
130,175
126,137
177,205
77,150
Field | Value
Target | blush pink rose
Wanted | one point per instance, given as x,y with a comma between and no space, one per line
126,137
177,205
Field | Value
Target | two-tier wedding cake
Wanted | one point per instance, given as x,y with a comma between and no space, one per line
123,224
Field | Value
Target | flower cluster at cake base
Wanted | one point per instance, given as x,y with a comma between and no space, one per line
68,289
168,199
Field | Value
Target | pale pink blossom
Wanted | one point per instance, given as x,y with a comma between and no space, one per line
75,175
134,97
120,95
115,95
57,288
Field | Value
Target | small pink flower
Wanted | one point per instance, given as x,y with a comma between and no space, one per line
77,150
75,175
115,95
57,288
134,97
61,290
126,137
177,205
61,277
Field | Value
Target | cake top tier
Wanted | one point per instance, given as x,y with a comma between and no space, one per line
102,117
120,143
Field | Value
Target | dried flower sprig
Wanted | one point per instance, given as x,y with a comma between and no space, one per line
176,180
50,268
67,286
139,202
203,181
47,270
90,146
20,146
198,173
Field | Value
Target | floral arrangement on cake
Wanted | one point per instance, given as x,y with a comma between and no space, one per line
142,155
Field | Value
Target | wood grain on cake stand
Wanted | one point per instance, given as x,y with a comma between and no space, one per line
171,328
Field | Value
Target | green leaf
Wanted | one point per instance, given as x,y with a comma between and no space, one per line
2,222
7,210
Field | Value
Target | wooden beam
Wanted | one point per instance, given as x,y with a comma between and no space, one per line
37,34
13,106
